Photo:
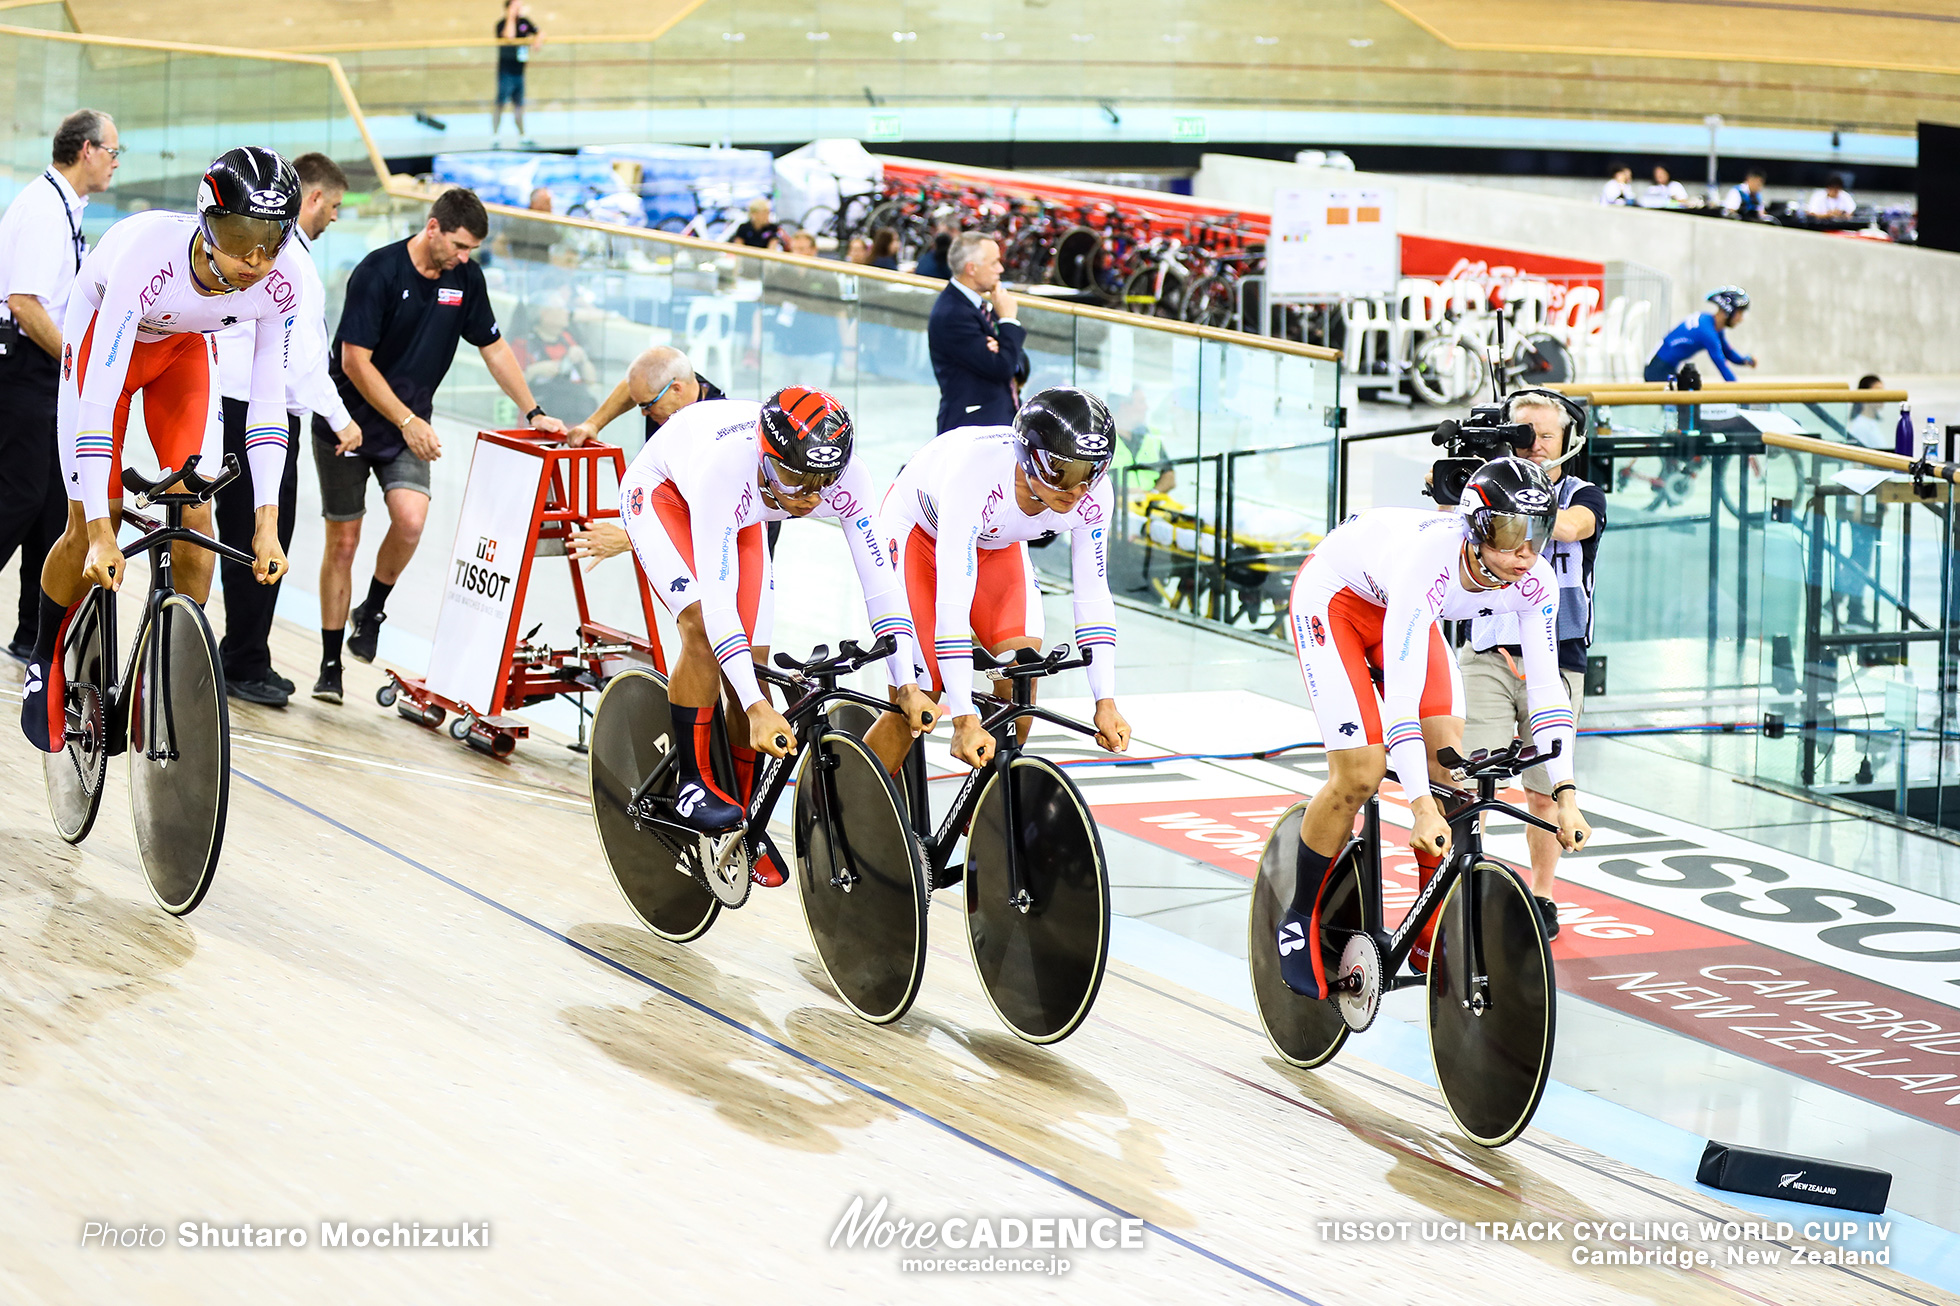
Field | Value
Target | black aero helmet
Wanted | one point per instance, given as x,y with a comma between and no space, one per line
248,200
806,440
1064,438
1730,299
1508,502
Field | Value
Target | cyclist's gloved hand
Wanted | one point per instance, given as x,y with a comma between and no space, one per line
971,744
1112,731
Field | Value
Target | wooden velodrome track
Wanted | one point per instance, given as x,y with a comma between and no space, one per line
414,994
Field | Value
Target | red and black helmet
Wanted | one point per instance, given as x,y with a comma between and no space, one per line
806,440
248,199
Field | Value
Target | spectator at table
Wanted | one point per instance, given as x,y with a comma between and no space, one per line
555,363
1833,201
1664,193
761,230
1619,186
1745,199
884,249
1864,426
932,262
803,243
859,251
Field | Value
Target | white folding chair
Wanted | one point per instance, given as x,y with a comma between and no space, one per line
1600,359
711,334
1633,340
1420,307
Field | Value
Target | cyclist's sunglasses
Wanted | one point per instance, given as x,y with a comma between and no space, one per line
1508,532
245,238
799,485
1066,475
646,409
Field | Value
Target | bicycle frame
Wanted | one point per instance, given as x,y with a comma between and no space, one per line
999,723
155,540
1461,810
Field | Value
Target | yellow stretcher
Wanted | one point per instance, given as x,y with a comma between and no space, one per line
1184,568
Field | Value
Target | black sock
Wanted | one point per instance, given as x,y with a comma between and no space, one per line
689,739
49,632
1309,869
330,645
377,598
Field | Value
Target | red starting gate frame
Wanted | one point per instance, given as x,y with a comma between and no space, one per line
568,498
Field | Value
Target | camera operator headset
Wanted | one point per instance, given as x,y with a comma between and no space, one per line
1494,689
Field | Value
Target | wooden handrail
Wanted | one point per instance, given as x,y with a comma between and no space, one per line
1580,391
1856,453
1746,395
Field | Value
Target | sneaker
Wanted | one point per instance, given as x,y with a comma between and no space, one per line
1300,963
699,807
282,682
21,650
327,687
266,693
366,632
766,868
1549,911
43,716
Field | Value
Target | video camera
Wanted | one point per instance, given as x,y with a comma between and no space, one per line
1470,444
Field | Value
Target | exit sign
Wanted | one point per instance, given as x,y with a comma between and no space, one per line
1188,129
884,127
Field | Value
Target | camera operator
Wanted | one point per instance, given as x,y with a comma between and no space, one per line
1493,683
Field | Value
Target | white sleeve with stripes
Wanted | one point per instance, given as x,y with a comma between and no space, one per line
265,410
885,604
1546,697
1095,611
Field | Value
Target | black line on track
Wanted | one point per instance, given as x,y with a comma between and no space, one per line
814,1063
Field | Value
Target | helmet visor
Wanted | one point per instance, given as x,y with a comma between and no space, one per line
799,485
1064,475
1509,531
236,236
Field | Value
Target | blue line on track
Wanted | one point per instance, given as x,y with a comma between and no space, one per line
760,1037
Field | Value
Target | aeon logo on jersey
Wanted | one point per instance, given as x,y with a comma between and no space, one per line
841,502
284,293
1091,511
155,288
1531,589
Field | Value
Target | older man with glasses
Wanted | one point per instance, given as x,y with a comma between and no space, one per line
41,248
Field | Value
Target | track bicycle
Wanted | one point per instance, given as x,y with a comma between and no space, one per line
166,708
1035,880
1492,993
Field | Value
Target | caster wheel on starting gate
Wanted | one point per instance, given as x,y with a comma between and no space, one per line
386,694
459,729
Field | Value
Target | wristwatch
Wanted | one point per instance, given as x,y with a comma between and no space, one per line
535,413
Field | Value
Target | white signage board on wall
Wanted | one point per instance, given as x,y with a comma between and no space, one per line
1329,243
493,533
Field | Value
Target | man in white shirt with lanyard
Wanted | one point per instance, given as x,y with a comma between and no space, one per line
41,247
249,607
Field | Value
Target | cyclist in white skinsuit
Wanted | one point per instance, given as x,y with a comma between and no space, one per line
137,319
1369,600
693,503
959,516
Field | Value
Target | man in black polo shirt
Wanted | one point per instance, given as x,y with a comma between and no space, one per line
407,305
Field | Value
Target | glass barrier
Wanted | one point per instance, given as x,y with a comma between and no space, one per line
1212,430
174,112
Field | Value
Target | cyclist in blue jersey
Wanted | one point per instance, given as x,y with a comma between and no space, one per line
1704,333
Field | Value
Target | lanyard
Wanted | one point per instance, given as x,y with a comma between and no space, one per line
74,232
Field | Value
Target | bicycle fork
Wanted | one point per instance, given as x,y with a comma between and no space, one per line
160,745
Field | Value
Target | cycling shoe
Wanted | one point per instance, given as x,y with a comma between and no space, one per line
1300,963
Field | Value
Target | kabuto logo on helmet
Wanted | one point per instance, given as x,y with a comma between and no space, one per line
269,203
823,455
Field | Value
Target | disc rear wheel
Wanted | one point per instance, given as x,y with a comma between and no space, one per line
179,754
1306,1031
1041,962
1491,1035
632,732
75,774
861,877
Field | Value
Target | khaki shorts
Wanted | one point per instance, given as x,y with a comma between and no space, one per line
1496,714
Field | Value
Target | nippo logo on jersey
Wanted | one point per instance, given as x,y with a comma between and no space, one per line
449,298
